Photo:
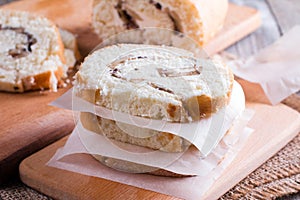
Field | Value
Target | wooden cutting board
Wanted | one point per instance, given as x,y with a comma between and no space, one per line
75,16
28,123
274,127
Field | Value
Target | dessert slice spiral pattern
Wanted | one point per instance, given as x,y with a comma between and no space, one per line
155,82
31,53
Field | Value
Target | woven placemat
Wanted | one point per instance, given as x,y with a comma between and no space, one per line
16,190
279,176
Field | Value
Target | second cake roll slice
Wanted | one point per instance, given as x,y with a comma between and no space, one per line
31,53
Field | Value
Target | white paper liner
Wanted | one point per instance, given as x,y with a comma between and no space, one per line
203,134
276,68
74,157
182,163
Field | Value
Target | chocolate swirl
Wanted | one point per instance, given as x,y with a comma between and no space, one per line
23,49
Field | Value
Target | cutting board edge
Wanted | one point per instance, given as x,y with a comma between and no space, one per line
294,129
217,193
249,26
25,166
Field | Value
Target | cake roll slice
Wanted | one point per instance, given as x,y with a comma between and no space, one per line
31,53
153,82
198,19
131,134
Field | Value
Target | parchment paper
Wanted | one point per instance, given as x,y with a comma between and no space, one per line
75,157
203,134
276,68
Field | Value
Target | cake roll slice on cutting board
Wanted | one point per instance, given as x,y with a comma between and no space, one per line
153,82
32,53
198,19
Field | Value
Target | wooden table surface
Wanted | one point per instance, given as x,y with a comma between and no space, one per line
278,17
